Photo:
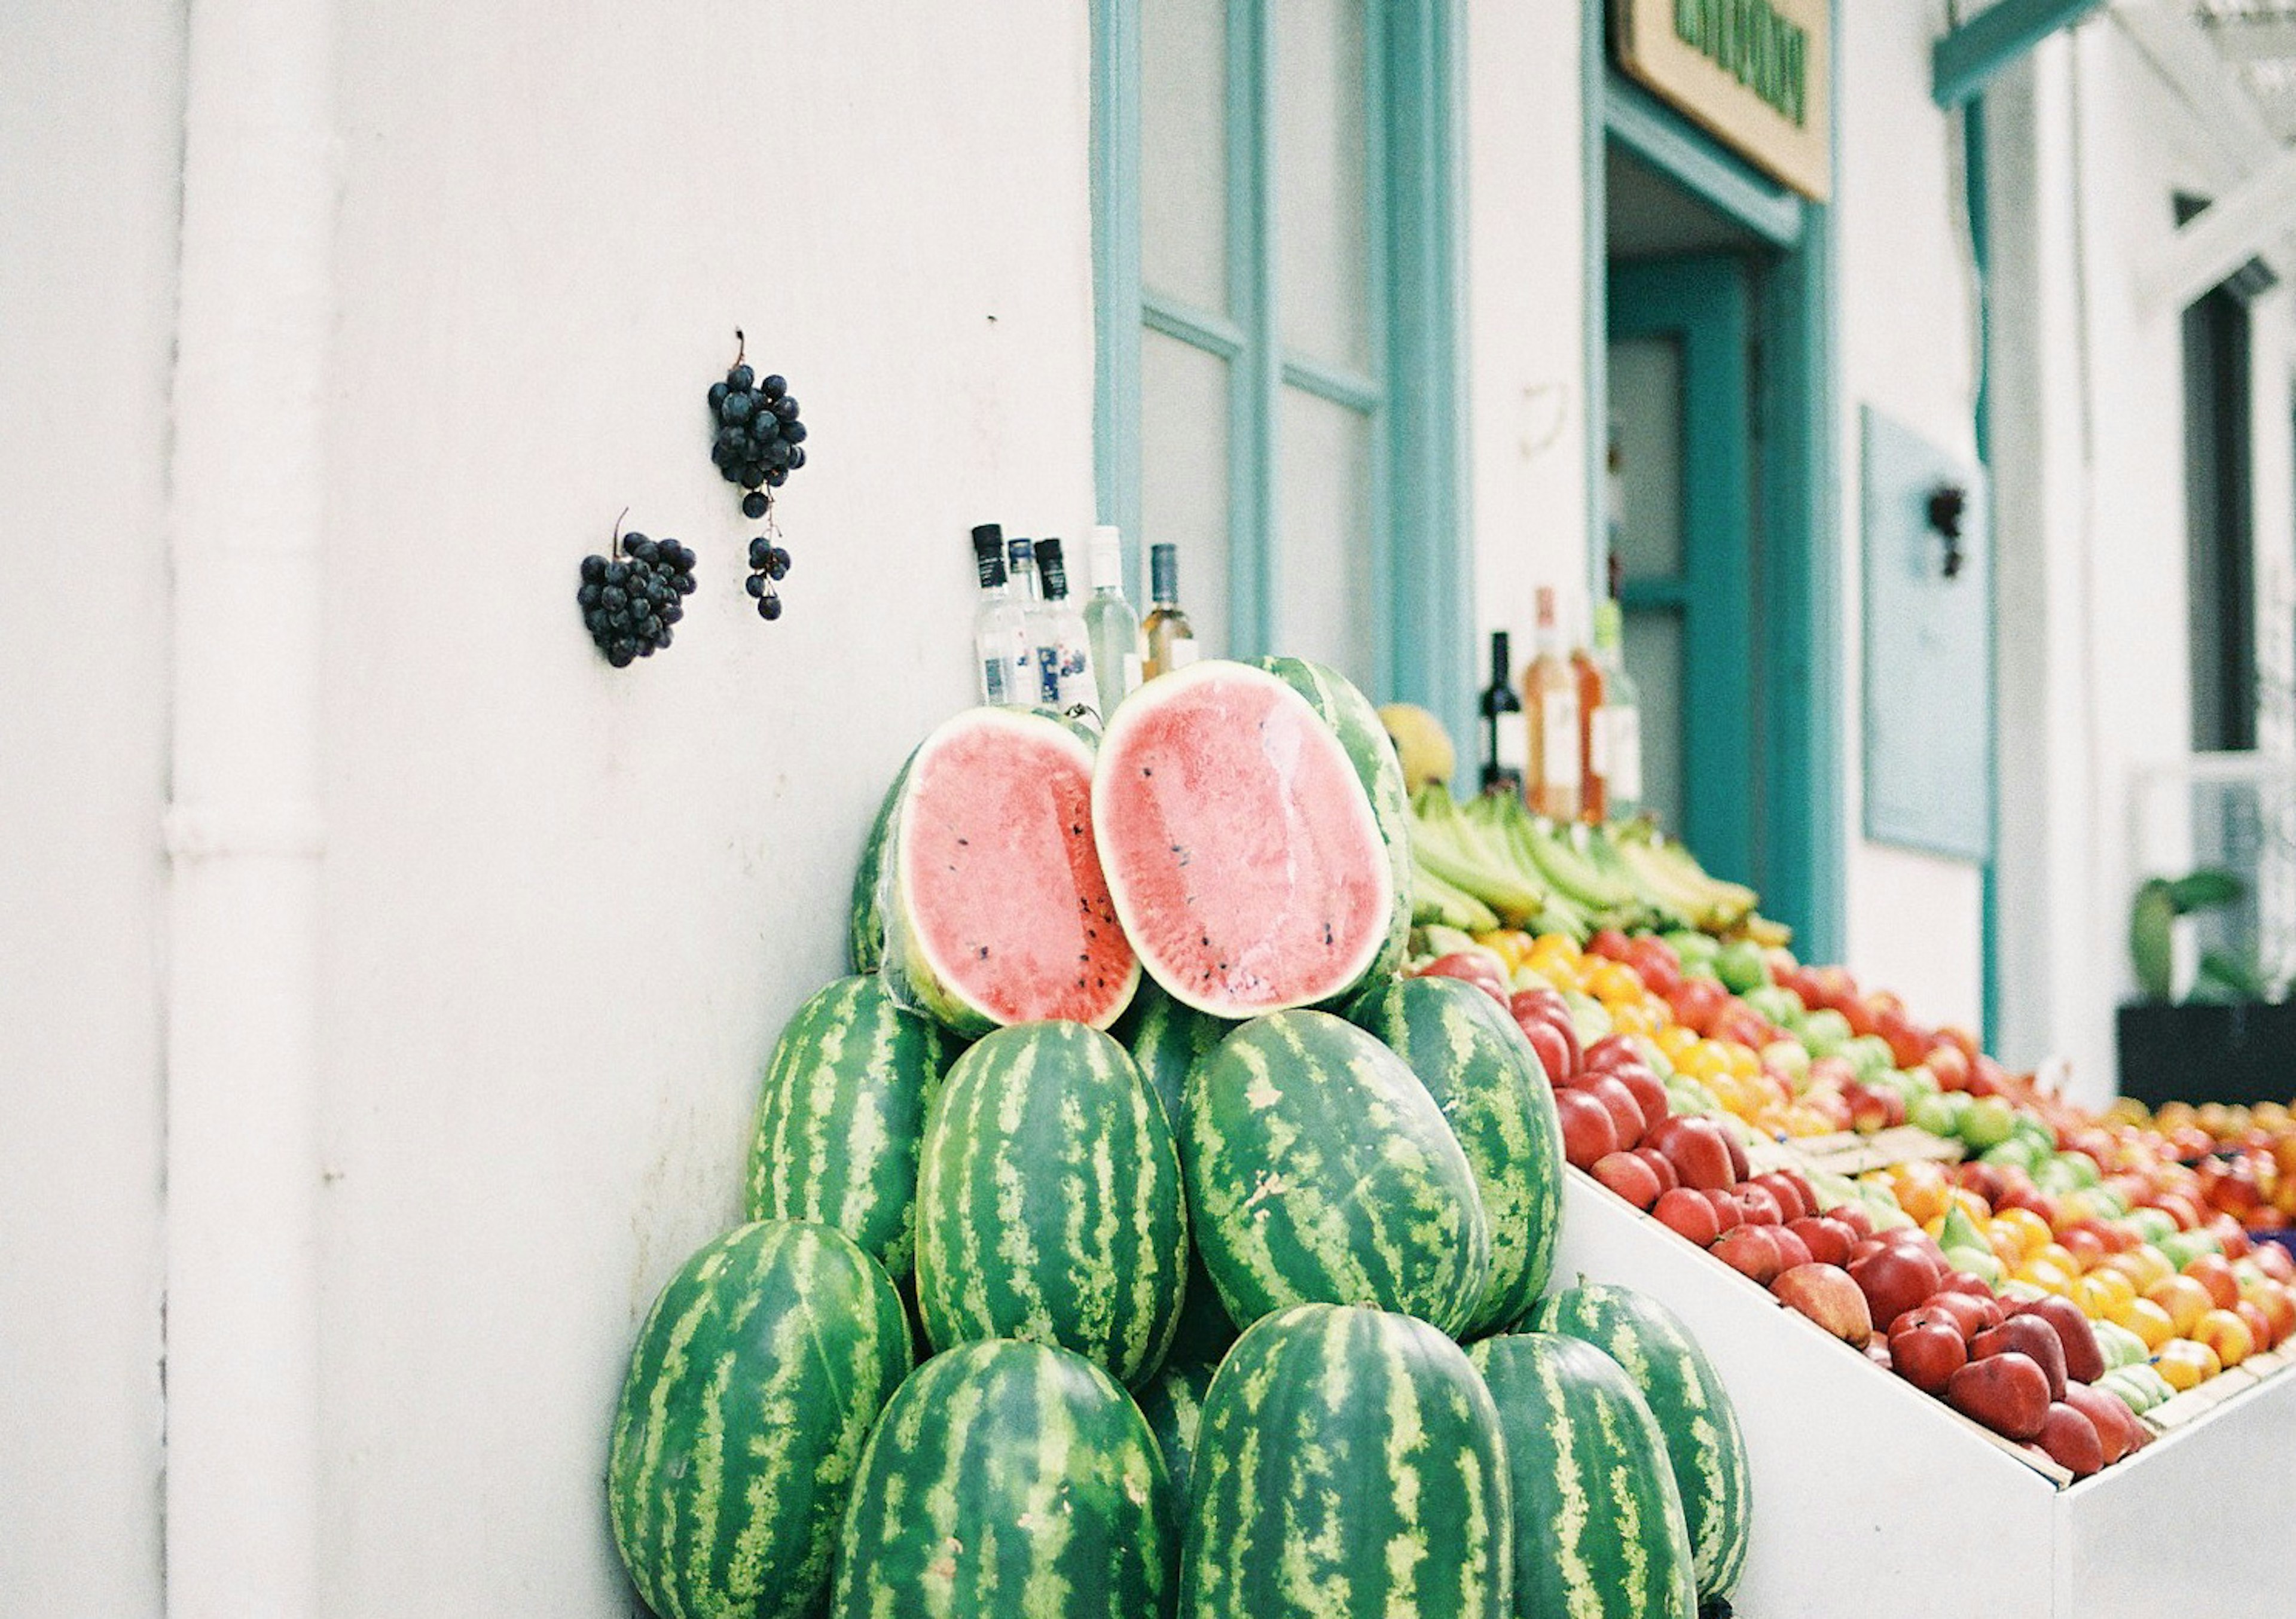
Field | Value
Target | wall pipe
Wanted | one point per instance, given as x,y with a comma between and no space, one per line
247,503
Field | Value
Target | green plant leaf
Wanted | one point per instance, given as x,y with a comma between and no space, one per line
2209,885
2151,933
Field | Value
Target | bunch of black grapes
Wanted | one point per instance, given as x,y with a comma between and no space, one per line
761,442
769,564
630,599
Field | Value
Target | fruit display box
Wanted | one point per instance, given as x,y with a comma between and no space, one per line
1871,1498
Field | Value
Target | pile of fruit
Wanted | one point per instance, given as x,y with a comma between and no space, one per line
2243,1158
1698,1055
1226,1243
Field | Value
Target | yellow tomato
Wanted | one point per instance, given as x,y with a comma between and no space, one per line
1674,1039
2030,1228
2115,1289
2184,1364
1973,1204
1632,1019
1743,1061
1801,1120
2148,1321
1701,1059
2228,1335
2185,1300
1512,943
1557,944
1923,1197
2043,1275
2094,1296
2059,1256
2144,1265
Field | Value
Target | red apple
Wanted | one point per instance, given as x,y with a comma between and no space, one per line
1554,1051
2115,1426
1827,1296
2276,1262
1966,1281
1647,1090
1794,1199
1588,1132
1749,1250
1661,1166
1612,1048
1626,1112
1698,1150
1973,1312
1761,1206
1689,1214
1610,944
1630,1177
1853,1215
2007,1392
1739,1168
1793,1251
1894,1281
2026,1336
1828,1240
1926,1354
1729,1213
2072,1440
2084,1361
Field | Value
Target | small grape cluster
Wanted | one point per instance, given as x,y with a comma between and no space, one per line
761,440
631,598
769,564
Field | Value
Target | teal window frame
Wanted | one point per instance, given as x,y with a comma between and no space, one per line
1802,828
1415,389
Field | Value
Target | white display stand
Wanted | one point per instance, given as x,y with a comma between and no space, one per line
1873,1499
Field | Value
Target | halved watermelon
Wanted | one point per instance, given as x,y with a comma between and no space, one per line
995,910
1241,851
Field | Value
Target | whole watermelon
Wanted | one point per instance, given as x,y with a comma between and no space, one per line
1348,1463
751,1390
840,1114
1598,1526
1486,1078
1320,1171
1703,1440
1049,1203
1008,1478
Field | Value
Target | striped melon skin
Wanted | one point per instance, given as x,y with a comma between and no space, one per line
1486,1078
751,1390
1348,1463
840,1115
1048,1201
1173,1402
1320,1171
1350,713
865,941
1166,1037
1206,1329
1694,1411
1008,1478
1598,1526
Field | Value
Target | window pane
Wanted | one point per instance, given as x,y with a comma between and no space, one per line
1653,651
1183,476
1183,149
1646,405
1324,569
1322,228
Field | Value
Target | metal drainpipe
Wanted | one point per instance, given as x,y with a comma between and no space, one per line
247,499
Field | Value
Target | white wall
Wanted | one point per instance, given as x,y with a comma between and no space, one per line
89,166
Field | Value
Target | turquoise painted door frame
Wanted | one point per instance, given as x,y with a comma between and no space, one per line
1703,305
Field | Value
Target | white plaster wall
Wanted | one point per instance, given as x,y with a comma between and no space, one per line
1908,347
568,907
1525,314
89,169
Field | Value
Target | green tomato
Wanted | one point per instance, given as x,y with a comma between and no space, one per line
1936,1114
1825,1031
1742,966
1987,1123
1691,945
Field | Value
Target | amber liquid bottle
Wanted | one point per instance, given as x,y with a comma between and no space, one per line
1171,643
1594,760
1550,701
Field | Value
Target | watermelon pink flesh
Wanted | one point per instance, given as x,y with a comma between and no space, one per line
1006,895
1240,851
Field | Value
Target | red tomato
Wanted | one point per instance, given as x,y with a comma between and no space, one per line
1476,967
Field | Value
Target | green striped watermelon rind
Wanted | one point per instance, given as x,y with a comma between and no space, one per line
1319,1170
865,939
1486,1078
840,1114
1598,1520
908,967
1008,1477
1166,1038
1348,1462
1173,1402
1658,1354
1343,707
1049,1200
751,1390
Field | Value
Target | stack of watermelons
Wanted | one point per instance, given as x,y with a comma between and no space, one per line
1360,1172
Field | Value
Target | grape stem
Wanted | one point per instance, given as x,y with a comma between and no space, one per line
615,550
740,347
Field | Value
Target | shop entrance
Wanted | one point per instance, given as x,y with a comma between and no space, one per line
1685,341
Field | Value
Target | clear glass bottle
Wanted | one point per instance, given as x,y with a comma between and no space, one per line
1112,628
1502,734
1000,645
1043,684
1620,720
1550,702
1073,673
1171,643
1593,767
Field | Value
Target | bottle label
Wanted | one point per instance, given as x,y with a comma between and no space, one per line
1047,660
992,682
1624,742
1558,724
1179,654
1515,746
1598,742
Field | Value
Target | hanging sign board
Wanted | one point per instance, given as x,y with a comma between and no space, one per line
1756,74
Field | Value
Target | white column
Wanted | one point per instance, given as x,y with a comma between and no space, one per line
247,500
